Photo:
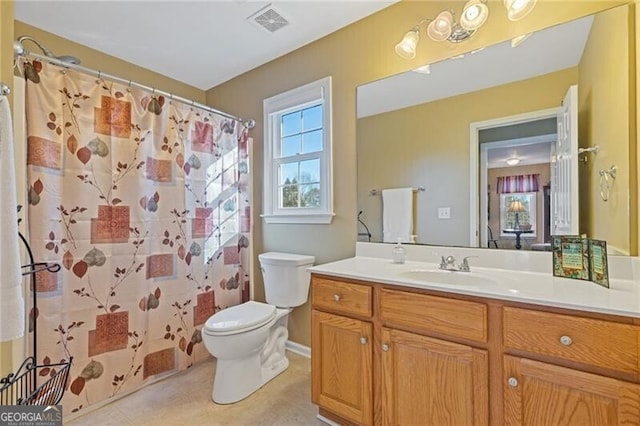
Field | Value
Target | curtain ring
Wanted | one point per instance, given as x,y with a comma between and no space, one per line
99,75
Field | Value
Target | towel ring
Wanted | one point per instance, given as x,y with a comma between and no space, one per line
607,179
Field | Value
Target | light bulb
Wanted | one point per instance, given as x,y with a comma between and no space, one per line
518,9
471,13
407,47
474,15
440,28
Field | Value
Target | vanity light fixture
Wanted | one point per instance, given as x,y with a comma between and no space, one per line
445,28
518,9
513,161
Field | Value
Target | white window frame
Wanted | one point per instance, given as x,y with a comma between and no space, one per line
533,214
274,107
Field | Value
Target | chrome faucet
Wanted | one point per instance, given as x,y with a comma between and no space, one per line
449,264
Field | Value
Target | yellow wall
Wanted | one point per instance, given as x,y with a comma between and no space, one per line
605,121
635,94
423,144
357,54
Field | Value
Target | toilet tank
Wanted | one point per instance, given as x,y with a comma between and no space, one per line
286,279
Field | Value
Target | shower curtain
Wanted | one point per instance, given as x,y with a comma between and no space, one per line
145,204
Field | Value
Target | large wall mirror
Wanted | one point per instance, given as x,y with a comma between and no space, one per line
480,139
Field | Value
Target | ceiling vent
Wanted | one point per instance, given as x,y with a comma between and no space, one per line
268,19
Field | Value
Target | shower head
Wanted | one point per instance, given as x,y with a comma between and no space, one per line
18,49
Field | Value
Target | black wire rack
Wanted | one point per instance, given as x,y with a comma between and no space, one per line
21,387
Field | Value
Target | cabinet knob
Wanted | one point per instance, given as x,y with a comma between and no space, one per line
363,340
566,340
513,382
385,347
336,297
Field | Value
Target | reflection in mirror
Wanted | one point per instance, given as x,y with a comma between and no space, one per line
488,120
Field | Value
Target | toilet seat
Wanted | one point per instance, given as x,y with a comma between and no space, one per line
236,319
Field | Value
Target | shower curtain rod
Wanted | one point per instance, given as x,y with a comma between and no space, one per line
250,123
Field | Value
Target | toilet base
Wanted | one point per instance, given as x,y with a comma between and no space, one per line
240,378
236,379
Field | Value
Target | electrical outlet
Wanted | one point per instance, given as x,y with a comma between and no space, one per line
444,213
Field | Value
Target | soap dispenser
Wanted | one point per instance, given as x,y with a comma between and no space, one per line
398,253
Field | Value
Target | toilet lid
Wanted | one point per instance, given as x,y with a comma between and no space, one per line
245,316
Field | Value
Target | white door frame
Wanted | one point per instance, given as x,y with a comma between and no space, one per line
476,238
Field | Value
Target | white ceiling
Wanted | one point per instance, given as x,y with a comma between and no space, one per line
201,43
531,151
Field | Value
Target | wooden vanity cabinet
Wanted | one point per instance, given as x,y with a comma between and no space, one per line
427,381
538,393
421,380
550,393
447,381
342,345
391,355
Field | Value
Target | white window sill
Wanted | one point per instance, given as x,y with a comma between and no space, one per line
300,218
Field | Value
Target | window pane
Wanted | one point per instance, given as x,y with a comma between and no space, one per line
312,141
524,206
289,196
290,146
312,118
289,173
310,195
310,171
291,123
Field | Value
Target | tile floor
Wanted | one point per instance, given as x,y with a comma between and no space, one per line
185,399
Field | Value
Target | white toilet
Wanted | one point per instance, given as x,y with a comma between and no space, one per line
249,340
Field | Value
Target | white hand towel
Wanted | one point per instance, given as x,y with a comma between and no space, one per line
11,300
397,215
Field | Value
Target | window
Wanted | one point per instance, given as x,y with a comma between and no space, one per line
526,213
297,161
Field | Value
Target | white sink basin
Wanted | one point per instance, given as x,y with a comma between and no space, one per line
448,277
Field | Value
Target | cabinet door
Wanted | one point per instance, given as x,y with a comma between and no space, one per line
342,366
428,381
537,393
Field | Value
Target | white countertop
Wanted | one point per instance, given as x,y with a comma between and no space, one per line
621,298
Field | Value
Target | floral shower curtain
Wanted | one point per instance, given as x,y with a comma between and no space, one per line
145,204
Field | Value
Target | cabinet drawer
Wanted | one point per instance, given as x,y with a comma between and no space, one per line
590,341
337,296
457,318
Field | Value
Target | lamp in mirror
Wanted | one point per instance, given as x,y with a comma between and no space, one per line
516,207
445,28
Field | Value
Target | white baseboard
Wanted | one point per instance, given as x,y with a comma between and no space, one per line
323,419
298,348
